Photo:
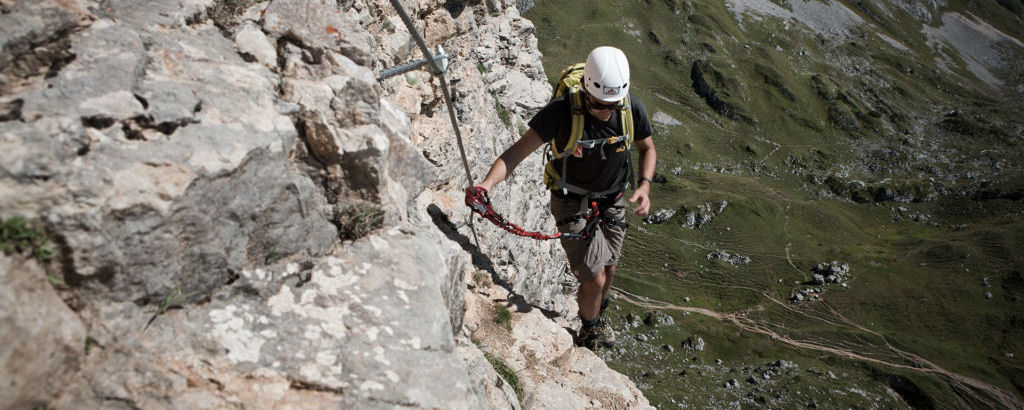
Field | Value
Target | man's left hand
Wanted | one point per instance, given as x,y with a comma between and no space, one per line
641,197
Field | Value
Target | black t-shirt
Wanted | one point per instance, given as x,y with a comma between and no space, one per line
589,171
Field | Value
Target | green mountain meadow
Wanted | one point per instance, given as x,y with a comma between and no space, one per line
864,141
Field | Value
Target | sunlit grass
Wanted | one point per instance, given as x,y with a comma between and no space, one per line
916,286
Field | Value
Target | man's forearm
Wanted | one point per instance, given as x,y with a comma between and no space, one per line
496,174
511,158
648,158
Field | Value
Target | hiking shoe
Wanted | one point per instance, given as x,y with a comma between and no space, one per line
600,335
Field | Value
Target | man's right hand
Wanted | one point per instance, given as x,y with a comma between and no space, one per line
641,197
476,194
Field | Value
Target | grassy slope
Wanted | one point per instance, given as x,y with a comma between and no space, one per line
918,285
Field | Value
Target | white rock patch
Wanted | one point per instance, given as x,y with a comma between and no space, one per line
976,42
832,19
229,330
665,119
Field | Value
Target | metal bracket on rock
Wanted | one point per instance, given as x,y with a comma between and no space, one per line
440,61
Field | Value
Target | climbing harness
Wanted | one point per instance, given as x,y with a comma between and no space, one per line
478,200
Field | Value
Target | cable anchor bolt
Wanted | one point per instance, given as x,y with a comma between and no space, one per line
439,59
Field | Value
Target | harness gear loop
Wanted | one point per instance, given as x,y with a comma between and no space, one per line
593,211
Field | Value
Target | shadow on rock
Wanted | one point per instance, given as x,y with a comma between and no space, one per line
480,260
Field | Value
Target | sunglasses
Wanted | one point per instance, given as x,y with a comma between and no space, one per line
596,105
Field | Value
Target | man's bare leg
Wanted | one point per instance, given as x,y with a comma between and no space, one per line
594,333
589,296
609,276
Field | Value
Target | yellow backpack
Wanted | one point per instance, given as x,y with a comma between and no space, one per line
569,84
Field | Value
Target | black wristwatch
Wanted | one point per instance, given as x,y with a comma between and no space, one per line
646,179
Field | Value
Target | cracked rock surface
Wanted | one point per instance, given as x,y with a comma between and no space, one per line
243,216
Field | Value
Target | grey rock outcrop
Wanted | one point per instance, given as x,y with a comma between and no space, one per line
524,5
36,324
244,215
694,343
807,294
695,217
658,319
831,272
164,161
900,213
34,41
173,170
496,390
633,320
311,334
732,259
660,216
822,275
551,372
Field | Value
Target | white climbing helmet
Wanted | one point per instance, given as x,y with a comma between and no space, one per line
606,74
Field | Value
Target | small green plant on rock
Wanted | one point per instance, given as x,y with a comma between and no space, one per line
17,236
503,114
357,220
522,128
502,315
172,300
90,343
412,79
272,256
224,12
482,279
506,373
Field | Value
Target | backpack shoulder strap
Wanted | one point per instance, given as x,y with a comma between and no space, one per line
576,111
627,122
626,115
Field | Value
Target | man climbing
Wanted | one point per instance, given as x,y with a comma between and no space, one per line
590,129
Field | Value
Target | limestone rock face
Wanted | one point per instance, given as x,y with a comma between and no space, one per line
317,26
245,217
160,159
36,324
309,334
552,373
32,39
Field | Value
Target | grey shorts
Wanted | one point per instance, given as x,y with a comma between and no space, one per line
603,248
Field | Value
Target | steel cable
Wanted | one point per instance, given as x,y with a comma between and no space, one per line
437,71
